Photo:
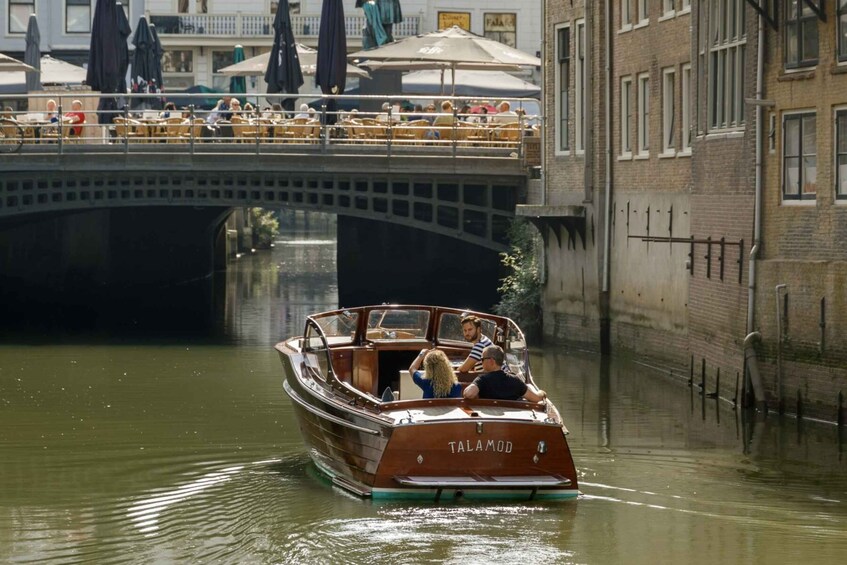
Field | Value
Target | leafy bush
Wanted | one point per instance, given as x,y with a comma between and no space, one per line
520,290
265,226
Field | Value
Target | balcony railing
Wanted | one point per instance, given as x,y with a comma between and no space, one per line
261,25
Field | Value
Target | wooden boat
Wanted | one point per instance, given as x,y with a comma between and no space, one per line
398,445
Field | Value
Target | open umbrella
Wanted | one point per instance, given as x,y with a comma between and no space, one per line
9,65
494,84
331,74
308,59
105,65
32,55
199,102
453,48
237,84
282,70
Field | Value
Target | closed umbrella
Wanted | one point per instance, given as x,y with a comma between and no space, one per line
143,62
390,14
283,73
237,84
331,74
105,65
32,55
124,31
160,83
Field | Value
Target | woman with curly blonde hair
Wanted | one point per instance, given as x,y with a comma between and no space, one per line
439,381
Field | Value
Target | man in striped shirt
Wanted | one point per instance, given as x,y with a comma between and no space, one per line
472,331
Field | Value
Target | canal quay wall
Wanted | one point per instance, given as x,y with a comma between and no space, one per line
674,284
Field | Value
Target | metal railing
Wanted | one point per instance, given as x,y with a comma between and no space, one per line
261,25
264,129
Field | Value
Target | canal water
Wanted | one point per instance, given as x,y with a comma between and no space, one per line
175,443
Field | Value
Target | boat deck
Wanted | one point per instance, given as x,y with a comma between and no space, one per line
420,414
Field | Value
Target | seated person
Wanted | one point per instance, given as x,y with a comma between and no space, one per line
51,110
439,381
76,117
505,115
472,332
497,384
304,112
169,110
445,118
383,116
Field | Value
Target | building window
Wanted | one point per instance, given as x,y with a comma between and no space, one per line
799,157
19,11
626,14
221,59
78,16
202,6
579,86
626,117
686,6
801,34
727,46
563,78
643,114
501,27
668,8
178,69
685,87
668,111
643,13
841,29
841,154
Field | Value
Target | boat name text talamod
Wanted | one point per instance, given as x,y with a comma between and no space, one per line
490,445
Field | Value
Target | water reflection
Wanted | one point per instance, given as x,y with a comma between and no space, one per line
176,447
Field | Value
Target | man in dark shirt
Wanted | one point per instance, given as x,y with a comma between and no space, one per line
497,384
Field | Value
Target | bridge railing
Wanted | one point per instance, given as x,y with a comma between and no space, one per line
79,122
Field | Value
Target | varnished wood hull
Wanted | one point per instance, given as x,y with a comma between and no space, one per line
444,449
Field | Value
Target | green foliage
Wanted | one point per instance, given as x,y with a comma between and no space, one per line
265,226
520,291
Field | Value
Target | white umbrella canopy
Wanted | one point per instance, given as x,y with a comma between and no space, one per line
453,46
53,72
10,65
256,66
469,83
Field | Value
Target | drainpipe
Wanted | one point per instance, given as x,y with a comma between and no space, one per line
544,123
588,104
749,352
607,130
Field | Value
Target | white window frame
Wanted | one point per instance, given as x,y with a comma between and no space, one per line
91,6
686,125
840,156
668,9
669,140
685,7
32,10
802,155
643,13
643,117
626,117
626,14
841,30
726,63
579,87
559,149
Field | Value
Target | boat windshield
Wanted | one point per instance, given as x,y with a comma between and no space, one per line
397,324
450,328
339,327
516,351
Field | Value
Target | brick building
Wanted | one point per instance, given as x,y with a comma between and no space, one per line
652,107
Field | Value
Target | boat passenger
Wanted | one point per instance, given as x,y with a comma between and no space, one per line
472,330
497,384
438,381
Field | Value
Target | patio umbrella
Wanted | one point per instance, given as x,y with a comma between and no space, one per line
283,72
453,48
160,83
200,102
124,31
390,14
9,65
308,58
331,74
374,33
32,55
237,84
105,64
494,84
143,62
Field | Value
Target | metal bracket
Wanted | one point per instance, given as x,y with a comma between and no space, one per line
762,6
